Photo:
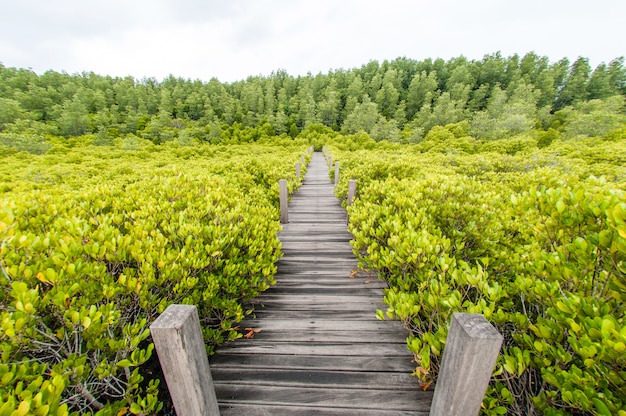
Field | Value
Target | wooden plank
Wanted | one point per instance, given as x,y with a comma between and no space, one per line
341,268
317,290
238,409
314,378
225,359
325,307
353,337
321,302
325,397
317,314
310,324
325,349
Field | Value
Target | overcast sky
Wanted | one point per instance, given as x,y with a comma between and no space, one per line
234,39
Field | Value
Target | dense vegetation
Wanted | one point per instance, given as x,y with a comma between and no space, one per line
96,242
398,101
492,186
533,238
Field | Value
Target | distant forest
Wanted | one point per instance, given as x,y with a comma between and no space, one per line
399,101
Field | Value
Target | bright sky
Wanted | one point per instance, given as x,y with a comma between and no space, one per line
234,39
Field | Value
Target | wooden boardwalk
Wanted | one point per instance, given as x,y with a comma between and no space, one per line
320,349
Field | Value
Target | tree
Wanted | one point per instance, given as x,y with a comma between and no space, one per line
10,111
385,130
594,118
460,83
73,120
506,116
575,86
617,74
354,95
599,86
387,99
400,115
252,97
532,66
422,85
328,108
270,97
363,118
279,122
306,107
444,111
479,98
492,71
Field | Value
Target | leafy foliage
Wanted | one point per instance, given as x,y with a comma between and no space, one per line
96,243
399,100
532,239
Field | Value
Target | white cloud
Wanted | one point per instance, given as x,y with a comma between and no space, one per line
232,40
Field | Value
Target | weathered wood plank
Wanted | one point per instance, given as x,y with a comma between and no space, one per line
323,290
306,299
315,378
316,314
224,359
238,409
326,397
320,324
352,337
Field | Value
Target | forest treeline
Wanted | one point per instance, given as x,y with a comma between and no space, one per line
399,101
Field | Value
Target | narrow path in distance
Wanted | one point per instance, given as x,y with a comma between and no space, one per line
320,349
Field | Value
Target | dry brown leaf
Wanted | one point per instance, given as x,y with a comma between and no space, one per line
425,385
251,332
353,273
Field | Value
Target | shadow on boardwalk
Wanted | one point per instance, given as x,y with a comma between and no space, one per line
320,349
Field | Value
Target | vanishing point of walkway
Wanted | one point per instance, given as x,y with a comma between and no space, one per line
320,349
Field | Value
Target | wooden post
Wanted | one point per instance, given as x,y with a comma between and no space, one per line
284,201
351,191
298,170
336,173
178,340
302,160
469,356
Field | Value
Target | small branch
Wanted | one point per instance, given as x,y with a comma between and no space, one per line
2,268
86,394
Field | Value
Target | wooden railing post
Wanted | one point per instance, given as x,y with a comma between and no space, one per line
298,170
178,340
302,161
284,201
469,356
351,191
336,173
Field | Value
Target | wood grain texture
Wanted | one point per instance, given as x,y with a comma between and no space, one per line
320,349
